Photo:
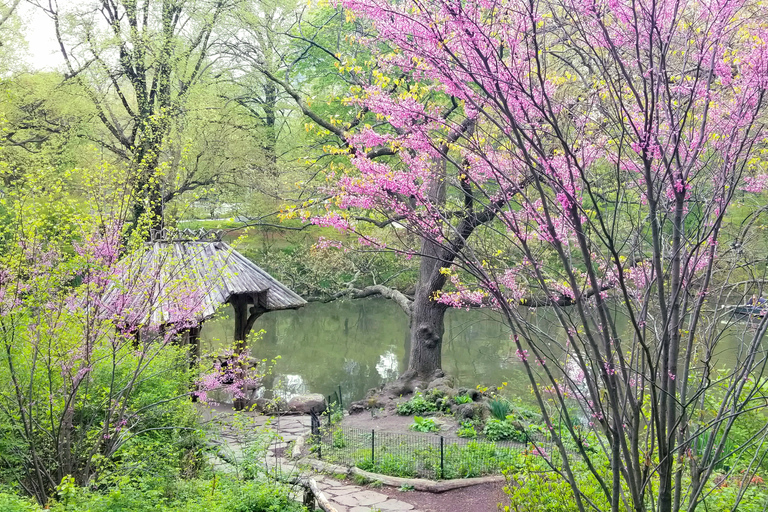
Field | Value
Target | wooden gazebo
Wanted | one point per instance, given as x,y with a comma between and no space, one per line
201,265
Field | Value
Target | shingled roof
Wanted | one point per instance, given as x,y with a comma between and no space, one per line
212,271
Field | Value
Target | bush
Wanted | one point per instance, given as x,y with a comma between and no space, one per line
339,440
467,430
222,494
416,405
13,503
395,465
424,425
462,399
496,430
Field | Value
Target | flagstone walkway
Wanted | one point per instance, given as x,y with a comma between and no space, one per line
236,433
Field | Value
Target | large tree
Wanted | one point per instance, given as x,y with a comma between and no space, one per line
325,49
138,63
601,148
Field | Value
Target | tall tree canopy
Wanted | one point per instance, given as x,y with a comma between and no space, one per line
138,63
599,146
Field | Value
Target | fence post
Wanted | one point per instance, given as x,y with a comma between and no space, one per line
442,459
341,405
373,447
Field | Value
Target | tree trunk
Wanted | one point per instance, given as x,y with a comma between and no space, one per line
427,317
427,328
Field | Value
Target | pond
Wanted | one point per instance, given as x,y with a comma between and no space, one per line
360,344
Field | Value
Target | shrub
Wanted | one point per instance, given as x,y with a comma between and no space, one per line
223,494
462,399
416,405
497,430
467,430
339,441
424,425
13,503
395,465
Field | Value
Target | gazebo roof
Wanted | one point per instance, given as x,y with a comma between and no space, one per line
211,271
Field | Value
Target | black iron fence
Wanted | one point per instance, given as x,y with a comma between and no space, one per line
415,455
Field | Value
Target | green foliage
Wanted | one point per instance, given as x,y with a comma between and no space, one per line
500,408
337,416
424,424
396,457
462,399
390,464
496,430
339,439
13,503
467,430
418,404
220,494
360,479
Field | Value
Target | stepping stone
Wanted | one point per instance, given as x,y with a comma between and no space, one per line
394,505
369,497
361,509
338,491
348,500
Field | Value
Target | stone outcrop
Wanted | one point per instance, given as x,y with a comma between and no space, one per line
304,404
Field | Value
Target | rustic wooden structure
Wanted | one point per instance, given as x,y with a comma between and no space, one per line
206,272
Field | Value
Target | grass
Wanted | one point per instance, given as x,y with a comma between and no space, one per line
416,455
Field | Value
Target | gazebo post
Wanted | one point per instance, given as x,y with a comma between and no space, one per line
194,340
240,305
244,321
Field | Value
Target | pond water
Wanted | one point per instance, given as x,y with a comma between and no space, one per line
360,344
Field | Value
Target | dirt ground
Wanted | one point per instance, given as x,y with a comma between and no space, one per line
394,423
477,498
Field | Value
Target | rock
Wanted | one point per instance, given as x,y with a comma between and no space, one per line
303,404
447,381
443,391
470,411
444,386
356,407
399,388
471,393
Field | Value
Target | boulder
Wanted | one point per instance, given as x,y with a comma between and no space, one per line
444,386
471,393
470,411
447,381
303,404
356,407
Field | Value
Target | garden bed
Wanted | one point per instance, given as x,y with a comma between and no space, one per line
415,455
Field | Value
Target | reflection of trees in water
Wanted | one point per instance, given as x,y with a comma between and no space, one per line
357,344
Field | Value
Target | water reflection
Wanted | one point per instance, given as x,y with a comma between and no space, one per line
361,344
364,343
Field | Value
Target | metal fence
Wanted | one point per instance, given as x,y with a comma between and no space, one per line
413,455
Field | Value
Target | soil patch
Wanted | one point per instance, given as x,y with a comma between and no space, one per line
387,422
478,498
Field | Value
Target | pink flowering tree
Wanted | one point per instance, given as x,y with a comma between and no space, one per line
593,157
87,381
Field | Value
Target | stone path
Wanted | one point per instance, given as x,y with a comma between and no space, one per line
344,497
